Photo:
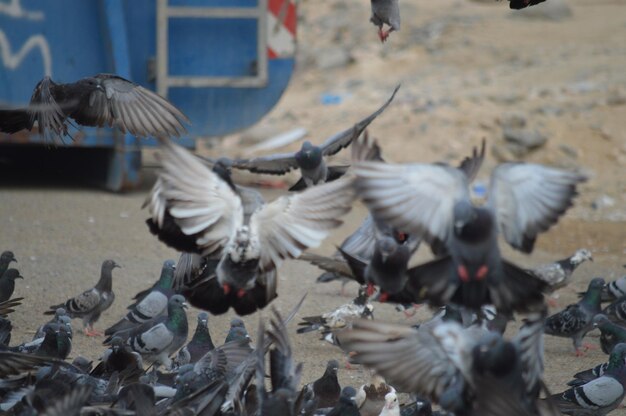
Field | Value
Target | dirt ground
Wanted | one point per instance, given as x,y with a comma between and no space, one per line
465,67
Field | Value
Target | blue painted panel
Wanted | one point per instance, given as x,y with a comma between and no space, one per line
214,3
213,47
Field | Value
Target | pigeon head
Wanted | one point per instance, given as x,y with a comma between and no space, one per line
7,257
464,213
12,274
309,156
116,343
348,394
177,301
203,318
362,297
169,264
368,312
240,249
60,312
580,256
391,401
82,363
109,265
387,246
332,367
237,323
600,321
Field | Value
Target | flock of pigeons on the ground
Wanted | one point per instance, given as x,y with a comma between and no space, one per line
232,243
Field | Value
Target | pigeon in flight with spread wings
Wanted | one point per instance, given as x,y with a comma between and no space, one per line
310,158
101,100
433,201
202,205
453,366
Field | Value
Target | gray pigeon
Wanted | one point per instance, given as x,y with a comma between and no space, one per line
310,158
157,339
119,358
326,389
91,303
5,259
55,319
7,284
440,362
385,12
150,306
200,343
613,290
577,319
611,333
101,100
616,311
237,331
559,273
599,396
212,213
432,201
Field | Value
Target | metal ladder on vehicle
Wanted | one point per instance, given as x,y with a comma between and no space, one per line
165,12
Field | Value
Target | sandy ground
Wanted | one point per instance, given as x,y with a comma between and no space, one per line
464,68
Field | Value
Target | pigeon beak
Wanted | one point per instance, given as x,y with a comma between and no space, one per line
19,276
116,265
13,259
185,305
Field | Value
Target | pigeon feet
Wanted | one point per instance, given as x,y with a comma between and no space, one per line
90,332
271,184
552,302
370,289
589,347
383,35
410,312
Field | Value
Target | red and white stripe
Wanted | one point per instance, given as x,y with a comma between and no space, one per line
281,28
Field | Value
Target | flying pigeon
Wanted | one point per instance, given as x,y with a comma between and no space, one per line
101,100
5,260
7,284
370,398
284,372
202,205
577,319
438,362
432,201
611,333
559,273
310,158
200,343
149,306
599,396
385,12
522,4
91,303
155,340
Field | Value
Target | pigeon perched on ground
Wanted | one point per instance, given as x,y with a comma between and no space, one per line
432,201
200,343
616,311
599,396
203,206
347,405
521,4
370,398
559,273
439,362
151,305
385,12
119,358
392,406
340,317
584,376
310,158
56,319
6,326
612,290
5,260
101,100
611,333
56,343
7,284
237,331
155,340
577,319
326,389
91,303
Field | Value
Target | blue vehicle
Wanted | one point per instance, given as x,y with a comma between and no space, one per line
224,63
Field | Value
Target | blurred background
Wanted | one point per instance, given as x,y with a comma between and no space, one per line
546,84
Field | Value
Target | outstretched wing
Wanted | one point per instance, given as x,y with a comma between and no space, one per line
198,200
528,199
341,140
426,362
291,224
115,101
